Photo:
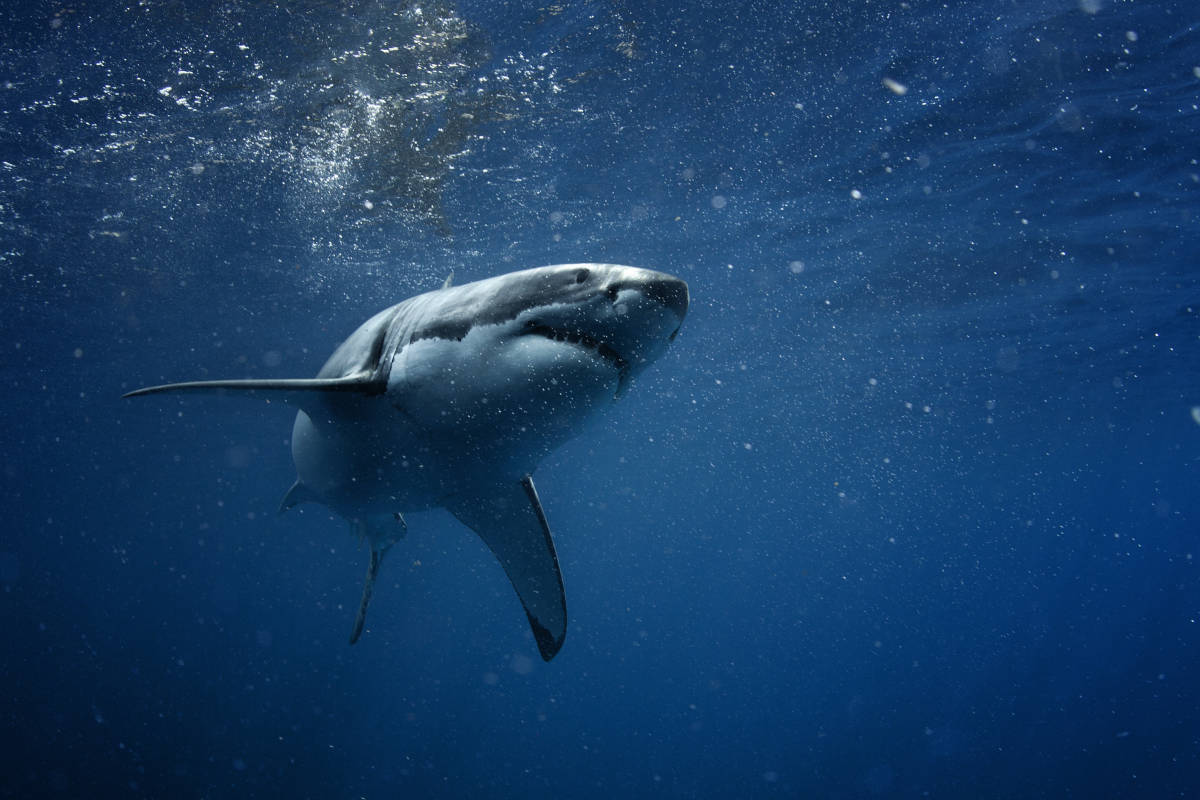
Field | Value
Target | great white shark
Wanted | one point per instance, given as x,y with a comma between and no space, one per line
452,398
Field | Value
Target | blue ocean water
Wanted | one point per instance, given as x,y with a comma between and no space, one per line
908,509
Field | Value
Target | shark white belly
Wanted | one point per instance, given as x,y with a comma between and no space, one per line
452,398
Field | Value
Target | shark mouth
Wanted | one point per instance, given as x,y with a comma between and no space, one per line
583,340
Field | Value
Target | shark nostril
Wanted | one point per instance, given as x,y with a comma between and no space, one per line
671,292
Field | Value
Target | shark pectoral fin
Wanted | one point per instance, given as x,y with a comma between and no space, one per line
293,390
509,518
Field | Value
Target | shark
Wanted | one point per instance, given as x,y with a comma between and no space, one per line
450,399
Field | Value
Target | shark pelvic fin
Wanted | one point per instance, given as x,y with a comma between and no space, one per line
299,493
380,536
360,619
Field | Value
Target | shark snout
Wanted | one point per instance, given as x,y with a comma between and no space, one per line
671,292
664,289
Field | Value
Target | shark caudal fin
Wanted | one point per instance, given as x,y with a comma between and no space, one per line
508,516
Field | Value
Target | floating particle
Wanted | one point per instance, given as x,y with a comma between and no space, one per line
895,86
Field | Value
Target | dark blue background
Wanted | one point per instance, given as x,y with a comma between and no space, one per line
910,507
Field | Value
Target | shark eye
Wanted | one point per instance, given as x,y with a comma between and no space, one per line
582,275
611,292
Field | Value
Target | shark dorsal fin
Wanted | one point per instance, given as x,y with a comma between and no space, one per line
446,284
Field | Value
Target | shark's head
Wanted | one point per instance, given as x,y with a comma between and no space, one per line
537,350
618,318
